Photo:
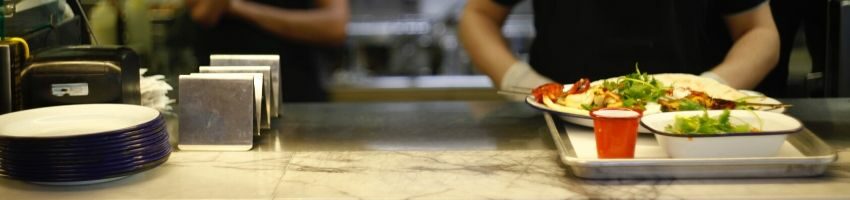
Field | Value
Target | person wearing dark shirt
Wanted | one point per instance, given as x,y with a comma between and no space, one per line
732,41
791,16
297,30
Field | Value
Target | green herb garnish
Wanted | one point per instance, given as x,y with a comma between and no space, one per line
703,124
687,104
636,89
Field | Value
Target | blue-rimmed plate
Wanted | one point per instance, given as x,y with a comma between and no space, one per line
84,140
86,169
86,161
138,136
75,156
70,121
92,178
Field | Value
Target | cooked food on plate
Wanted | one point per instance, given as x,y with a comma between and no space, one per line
647,93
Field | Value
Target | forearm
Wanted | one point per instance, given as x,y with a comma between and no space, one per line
482,38
322,26
750,59
756,48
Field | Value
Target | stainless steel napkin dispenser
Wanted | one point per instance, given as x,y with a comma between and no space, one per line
217,111
82,74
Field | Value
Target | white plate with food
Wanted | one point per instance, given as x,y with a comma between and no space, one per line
721,133
650,94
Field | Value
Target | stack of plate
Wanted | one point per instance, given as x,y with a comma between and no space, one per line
81,144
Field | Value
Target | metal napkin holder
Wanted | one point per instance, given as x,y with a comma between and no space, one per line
265,108
273,61
217,112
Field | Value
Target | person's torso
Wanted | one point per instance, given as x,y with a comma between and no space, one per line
600,39
300,73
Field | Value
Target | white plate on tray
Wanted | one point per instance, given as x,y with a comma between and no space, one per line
803,154
582,117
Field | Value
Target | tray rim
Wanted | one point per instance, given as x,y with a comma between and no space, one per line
574,162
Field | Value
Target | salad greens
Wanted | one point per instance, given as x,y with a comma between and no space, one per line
636,89
688,104
703,124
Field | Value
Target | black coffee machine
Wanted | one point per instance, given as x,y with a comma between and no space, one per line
81,74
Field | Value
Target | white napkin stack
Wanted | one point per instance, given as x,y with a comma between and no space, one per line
154,91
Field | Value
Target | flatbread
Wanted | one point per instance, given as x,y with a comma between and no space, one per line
711,87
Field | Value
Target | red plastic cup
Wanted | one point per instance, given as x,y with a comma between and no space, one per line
616,132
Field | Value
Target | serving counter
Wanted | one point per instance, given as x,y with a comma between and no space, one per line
432,150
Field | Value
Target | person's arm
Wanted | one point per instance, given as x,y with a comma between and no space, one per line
207,12
755,51
324,25
480,31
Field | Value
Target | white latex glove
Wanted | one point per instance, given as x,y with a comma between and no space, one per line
520,77
712,75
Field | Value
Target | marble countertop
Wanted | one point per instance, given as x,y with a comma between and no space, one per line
432,150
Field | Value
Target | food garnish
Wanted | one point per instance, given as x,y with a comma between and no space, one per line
549,91
633,91
704,124
643,92
697,100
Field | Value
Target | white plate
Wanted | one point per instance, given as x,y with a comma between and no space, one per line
74,120
774,127
581,117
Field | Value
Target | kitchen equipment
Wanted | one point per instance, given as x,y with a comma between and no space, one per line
82,74
13,56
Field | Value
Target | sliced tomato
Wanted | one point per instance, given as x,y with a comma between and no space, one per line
581,86
549,90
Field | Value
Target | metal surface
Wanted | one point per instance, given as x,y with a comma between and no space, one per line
265,109
272,61
467,125
216,112
391,126
817,156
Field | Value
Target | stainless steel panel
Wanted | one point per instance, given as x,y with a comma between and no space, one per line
272,61
265,109
215,112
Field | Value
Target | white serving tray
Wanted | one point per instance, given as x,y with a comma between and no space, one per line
803,154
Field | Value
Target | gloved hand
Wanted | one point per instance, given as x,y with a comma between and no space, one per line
712,75
520,77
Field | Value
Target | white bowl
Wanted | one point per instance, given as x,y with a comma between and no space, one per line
774,127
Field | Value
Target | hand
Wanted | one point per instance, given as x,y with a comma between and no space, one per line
208,12
521,77
712,75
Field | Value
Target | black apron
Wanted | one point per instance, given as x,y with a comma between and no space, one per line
300,70
601,39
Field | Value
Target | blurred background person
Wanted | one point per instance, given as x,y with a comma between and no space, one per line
791,16
297,30
123,22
